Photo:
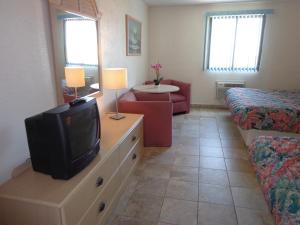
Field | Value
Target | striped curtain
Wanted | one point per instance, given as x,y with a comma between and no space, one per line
235,42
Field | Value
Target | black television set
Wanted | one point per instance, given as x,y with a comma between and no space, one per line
64,140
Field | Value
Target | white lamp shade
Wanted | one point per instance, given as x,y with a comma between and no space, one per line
115,78
74,76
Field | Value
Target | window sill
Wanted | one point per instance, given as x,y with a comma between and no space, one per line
232,71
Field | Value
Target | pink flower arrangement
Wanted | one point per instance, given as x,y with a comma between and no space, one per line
156,68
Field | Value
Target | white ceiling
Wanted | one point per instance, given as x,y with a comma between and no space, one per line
192,2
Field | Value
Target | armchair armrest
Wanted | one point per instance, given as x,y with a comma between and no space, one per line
185,89
153,109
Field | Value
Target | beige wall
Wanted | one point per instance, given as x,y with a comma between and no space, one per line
114,45
26,83
176,39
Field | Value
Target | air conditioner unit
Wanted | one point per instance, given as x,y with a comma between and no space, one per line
222,86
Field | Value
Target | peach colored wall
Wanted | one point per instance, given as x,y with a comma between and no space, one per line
114,45
176,39
26,81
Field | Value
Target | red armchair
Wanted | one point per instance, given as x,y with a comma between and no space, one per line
157,110
181,99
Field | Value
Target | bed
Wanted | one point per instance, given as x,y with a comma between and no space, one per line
276,161
261,112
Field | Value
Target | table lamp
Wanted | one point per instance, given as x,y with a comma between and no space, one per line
115,79
75,78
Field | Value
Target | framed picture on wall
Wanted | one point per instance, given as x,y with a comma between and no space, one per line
133,36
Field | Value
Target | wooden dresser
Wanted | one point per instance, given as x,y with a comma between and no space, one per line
86,199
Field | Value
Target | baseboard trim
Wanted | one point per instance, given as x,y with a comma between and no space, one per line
204,106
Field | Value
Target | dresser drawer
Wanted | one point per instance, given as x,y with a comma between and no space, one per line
131,159
132,138
101,206
85,194
97,214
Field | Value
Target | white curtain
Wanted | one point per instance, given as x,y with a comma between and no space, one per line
235,42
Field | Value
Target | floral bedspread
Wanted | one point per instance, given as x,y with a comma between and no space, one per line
265,110
277,164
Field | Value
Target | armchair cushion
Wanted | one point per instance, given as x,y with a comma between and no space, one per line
177,98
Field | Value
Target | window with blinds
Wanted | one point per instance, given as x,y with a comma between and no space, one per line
234,42
81,41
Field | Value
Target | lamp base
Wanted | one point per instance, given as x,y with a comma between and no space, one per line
117,116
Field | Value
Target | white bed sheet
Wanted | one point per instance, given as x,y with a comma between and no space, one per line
250,135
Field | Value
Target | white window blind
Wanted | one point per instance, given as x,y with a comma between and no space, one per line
81,41
234,42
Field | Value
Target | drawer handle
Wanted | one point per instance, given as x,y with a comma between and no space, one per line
99,181
101,207
133,138
134,156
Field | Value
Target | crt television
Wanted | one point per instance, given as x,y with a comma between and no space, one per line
64,140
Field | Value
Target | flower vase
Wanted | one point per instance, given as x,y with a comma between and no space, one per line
156,82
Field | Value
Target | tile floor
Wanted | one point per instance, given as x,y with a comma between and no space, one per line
203,179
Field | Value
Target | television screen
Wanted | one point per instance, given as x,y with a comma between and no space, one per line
82,129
